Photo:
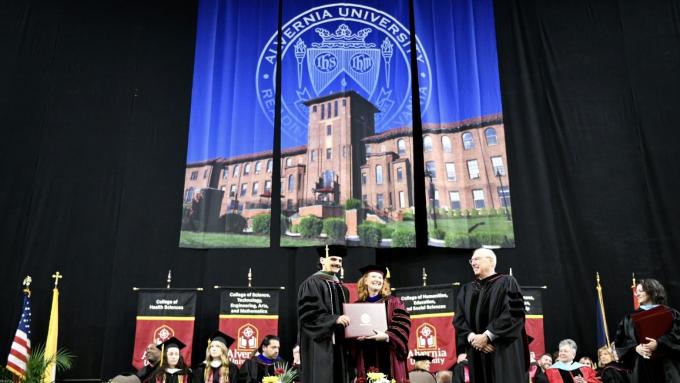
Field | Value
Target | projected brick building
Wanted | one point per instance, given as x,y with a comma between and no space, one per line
344,158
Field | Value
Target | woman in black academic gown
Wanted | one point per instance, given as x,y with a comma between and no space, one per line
610,370
217,368
172,368
652,360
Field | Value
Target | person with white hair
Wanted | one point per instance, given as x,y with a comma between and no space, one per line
566,370
489,324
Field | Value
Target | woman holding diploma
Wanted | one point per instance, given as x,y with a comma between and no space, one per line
386,351
648,340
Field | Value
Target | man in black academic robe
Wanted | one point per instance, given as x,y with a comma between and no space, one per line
320,297
489,324
152,355
263,364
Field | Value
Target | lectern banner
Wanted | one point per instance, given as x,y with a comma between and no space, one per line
432,331
533,304
248,315
162,315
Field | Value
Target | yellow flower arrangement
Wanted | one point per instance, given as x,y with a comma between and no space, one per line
270,379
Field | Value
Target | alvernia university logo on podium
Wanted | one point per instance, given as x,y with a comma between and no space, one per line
341,47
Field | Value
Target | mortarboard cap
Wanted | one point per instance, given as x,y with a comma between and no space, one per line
172,342
219,336
418,358
377,268
333,251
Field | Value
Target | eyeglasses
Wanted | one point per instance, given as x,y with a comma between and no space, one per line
475,259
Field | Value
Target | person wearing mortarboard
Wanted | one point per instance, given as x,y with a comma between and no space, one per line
421,371
321,322
217,368
387,351
172,368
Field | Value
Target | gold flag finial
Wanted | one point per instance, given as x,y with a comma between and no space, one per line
342,273
57,276
169,279
327,251
424,277
27,285
250,277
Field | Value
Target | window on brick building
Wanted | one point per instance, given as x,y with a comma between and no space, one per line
289,162
491,138
378,174
244,189
256,188
313,108
454,198
473,169
504,195
401,146
232,191
478,197
402,200
427,144
429,167
446,144
258,167
380,201
291,183
237,169
312,155
436,199
323,109
270,165
335,113
498,168
329,153
364,178
400,174
205,173
268,186
189,195
246,169
468,141
450,171
225,172
194,175
329,130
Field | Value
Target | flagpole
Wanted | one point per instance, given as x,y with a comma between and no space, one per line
21,345
601,300
52,333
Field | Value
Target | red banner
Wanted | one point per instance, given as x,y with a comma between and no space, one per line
533,305
248,315
160,316
432,331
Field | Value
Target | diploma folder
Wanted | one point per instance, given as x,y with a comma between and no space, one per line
365,319
652,323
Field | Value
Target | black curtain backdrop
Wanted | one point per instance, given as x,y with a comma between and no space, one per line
94,110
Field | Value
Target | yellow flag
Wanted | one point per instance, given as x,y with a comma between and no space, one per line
52,334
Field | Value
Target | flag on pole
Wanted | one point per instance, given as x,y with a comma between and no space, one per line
21,346
601,318
52,334
636,303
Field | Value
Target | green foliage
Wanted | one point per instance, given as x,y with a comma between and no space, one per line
335,229
5,374
459,240
234,223
37,364
369,234
353,203
484,211
437,233
262,223
310,226
294,229
407,215
474,213
404,237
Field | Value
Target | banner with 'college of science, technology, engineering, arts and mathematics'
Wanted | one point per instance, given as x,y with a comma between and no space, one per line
248,315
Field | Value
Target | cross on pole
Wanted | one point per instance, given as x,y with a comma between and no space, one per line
56,277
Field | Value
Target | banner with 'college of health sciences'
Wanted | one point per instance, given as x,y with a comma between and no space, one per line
162,315
432,330
533,305
248,315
